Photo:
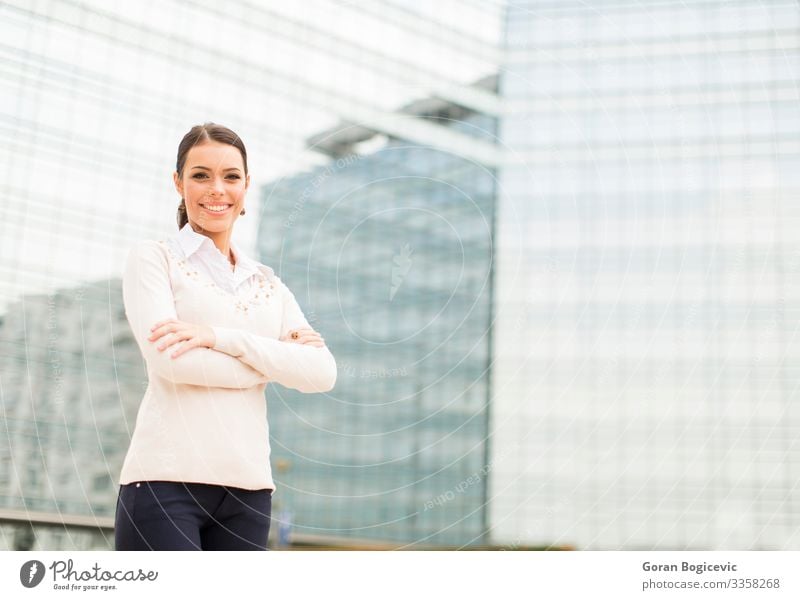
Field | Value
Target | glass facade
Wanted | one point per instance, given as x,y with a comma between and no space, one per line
389,253
72,378
581,333
645,368
94,99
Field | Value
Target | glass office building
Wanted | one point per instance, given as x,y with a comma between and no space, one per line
646,364
95,97
597,349
72,377
388,248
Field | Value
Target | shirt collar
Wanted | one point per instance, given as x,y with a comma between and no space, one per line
190,242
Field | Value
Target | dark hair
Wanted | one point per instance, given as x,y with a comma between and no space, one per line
197,135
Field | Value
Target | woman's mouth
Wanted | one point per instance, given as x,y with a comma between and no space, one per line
216,209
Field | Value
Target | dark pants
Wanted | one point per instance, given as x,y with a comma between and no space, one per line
169,515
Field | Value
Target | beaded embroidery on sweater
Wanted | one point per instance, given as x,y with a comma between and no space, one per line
261,292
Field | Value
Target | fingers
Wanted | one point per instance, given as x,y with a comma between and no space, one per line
183,348
295,334
160,331
194,336
301,331
161,328
191,335
158,324
171,340
306,338
305,335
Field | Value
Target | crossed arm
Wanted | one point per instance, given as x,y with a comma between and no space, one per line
226,357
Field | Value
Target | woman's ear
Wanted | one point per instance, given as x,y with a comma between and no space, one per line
178,183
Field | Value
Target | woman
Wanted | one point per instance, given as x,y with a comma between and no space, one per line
213,326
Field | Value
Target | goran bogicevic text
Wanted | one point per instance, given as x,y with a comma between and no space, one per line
686,566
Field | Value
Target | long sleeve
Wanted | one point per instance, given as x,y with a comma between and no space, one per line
148,298
301,367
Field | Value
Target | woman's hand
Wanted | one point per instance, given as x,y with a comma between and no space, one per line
305,335
196,336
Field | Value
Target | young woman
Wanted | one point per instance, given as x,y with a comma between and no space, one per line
213,326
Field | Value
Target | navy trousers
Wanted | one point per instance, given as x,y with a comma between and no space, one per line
169,515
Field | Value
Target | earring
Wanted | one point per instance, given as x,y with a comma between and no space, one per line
241,213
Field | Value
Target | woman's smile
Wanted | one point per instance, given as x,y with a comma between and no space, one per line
217,209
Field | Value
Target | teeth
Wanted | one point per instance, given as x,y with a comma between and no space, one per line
216,207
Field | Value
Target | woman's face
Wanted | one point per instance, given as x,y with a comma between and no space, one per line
213,185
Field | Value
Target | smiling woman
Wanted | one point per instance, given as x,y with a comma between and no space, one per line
214,327
211,177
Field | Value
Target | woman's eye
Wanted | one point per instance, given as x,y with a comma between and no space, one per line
199,175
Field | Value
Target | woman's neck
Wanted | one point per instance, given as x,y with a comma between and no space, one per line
222,240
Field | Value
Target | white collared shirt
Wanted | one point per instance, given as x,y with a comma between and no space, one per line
201,252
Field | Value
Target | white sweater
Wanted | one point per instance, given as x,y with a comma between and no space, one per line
203,417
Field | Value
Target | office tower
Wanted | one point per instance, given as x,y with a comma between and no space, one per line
96,99
388,248
644,376
72,378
